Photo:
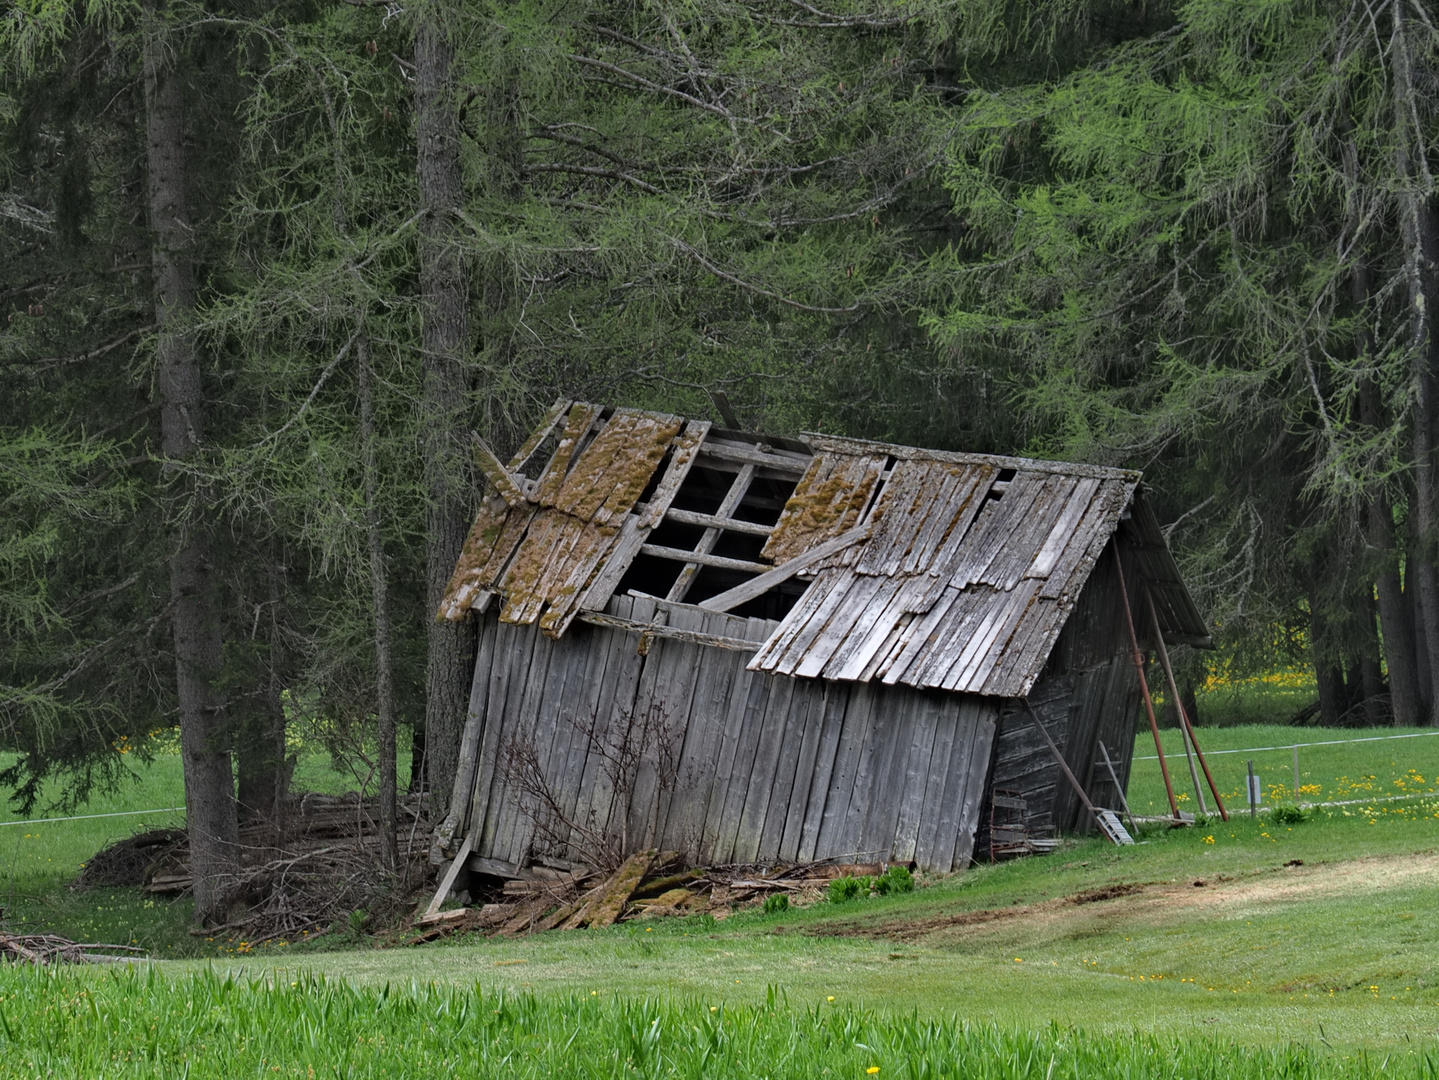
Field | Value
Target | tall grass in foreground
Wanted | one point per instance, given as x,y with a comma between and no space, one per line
138,1023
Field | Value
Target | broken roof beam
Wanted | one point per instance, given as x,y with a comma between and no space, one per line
789,463
702,558
711,521
546,427
748,590
510,486
701,553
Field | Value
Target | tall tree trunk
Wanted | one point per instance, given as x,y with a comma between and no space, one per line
1419,228
195,609
444,336
1328,676
259,729
380,592
1415,612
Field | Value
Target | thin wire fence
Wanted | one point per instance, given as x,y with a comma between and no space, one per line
89,817
1301,746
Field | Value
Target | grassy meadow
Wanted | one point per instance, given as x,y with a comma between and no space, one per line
1242,949
140,1024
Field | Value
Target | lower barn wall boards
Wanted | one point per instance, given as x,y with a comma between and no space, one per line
735,767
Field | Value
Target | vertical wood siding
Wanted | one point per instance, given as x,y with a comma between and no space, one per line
769,767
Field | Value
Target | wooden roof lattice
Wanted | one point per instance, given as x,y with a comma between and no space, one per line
917,567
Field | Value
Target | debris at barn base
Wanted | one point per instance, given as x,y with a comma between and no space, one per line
647,886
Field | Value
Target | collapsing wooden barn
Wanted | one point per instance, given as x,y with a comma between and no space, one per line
761,650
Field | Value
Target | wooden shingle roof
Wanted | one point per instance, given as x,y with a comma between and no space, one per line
925,568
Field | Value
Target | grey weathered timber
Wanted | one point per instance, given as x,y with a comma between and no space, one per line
768,579
913,599
764,762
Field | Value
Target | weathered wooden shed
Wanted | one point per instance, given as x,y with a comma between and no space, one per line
820,646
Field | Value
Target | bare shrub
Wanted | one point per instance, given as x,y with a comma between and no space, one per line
638,756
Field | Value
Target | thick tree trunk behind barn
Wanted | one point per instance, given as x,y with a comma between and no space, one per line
195,609
444,336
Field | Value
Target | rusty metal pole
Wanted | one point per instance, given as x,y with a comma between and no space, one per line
1144,683
1184,716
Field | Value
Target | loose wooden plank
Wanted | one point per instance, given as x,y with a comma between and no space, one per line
448,881
582,416
606,906
768,579
495,472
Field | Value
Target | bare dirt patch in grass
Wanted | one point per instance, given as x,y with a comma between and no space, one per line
1158,901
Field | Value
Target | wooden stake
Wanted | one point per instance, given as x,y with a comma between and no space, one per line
1190,739
1179,713
1144,683
1108,764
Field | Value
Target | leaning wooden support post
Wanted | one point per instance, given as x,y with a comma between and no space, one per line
1143,682
1114,776
1179,714
1190,740
1064,766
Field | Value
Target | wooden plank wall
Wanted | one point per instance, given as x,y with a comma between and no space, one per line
1088,692
770,768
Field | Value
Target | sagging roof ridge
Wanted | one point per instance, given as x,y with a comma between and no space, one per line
845,445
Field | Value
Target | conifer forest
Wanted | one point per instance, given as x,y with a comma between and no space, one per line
266,269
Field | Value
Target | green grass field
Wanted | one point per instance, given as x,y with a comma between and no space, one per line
1094,961
1361,764
138,1024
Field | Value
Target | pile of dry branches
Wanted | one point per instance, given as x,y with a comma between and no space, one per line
44,949
320,867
